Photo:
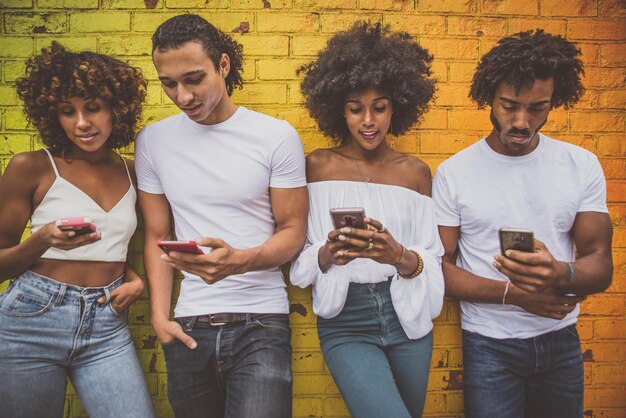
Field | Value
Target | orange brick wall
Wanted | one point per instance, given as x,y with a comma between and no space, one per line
278,36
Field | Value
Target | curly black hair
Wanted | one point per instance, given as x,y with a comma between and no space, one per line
57,74
524,57
368,56
177,31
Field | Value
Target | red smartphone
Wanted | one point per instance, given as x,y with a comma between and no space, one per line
80,225
352,217
181,246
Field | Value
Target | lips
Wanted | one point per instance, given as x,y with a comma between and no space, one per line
369,135
87,137
192,110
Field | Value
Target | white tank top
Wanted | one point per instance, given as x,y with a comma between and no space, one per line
65,200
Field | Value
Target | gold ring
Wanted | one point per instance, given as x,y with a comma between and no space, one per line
369,247
382,229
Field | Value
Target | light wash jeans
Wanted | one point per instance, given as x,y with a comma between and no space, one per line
540,377
51,331
380,372
240,370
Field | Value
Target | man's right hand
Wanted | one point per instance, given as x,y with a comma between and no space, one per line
549,303
167,331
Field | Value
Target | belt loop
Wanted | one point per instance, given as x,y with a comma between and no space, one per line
248,318
60,295
189,325
107,294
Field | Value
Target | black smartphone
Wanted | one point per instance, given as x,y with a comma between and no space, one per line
516,239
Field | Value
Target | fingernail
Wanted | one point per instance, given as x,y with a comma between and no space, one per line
339,253
341,238
345,230
193,345
507,253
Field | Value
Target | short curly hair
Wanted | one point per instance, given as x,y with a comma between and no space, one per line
368,56
57,74
177,31
524,57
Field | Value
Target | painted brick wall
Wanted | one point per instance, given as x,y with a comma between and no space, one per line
278,36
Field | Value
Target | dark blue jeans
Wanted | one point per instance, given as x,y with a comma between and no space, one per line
239,370
540,377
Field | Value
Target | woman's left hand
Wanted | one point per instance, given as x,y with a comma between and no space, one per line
124,295
374,242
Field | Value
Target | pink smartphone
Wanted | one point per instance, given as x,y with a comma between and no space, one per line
80,225
353,217
181,246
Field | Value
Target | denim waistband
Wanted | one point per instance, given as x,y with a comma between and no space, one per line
64,290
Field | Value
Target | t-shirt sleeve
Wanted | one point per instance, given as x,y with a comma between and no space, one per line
287,160
446,204
594,195
147,177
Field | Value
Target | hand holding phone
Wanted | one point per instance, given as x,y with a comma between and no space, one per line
80,225
516,239
189,247
351,217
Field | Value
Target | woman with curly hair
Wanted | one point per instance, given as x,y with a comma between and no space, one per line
376,288
62,315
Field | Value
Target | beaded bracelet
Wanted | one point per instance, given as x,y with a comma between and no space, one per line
418,270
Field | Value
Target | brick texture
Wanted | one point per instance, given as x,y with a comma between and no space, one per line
279,36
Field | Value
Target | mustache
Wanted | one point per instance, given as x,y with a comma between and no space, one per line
515,131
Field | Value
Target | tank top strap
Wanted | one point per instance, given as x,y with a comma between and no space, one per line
127,170
54,166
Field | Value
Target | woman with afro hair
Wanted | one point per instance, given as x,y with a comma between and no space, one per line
377,286
62,314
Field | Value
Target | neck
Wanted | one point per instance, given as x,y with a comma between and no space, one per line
102,155
359,153
223,111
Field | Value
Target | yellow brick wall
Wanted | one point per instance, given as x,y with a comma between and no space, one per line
279,35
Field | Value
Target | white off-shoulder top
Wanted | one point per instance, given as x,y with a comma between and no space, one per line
409,217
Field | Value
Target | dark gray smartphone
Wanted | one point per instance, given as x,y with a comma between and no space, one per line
516,239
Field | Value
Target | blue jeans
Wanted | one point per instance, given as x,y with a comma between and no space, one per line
51,331
238,370
540,377
378,369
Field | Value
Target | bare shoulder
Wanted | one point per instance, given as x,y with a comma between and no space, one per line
416,172
320,164
28,165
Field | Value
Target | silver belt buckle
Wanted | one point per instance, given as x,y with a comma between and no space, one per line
215,324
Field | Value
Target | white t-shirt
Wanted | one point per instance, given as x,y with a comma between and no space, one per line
480,191
216,179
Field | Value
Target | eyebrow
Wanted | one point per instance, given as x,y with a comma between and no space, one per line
511,101
375,100
187,74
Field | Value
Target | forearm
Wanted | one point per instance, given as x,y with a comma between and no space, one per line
19,258
279,249
466,286
160,281
591,274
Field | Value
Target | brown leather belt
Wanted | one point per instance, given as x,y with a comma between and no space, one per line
220,319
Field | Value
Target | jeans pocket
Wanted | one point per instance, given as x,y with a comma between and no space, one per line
273,323
572,330
116,313
25,301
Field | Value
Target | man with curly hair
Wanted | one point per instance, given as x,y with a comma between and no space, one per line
234,181
521,351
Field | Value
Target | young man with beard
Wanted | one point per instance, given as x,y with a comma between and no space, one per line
233,180
521,351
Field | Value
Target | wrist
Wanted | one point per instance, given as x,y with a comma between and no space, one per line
324,258
565,275
413,268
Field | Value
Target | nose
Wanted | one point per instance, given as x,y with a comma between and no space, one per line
83,122
368,117
183,95
521,120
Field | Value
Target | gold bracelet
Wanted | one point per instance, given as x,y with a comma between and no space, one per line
418,270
